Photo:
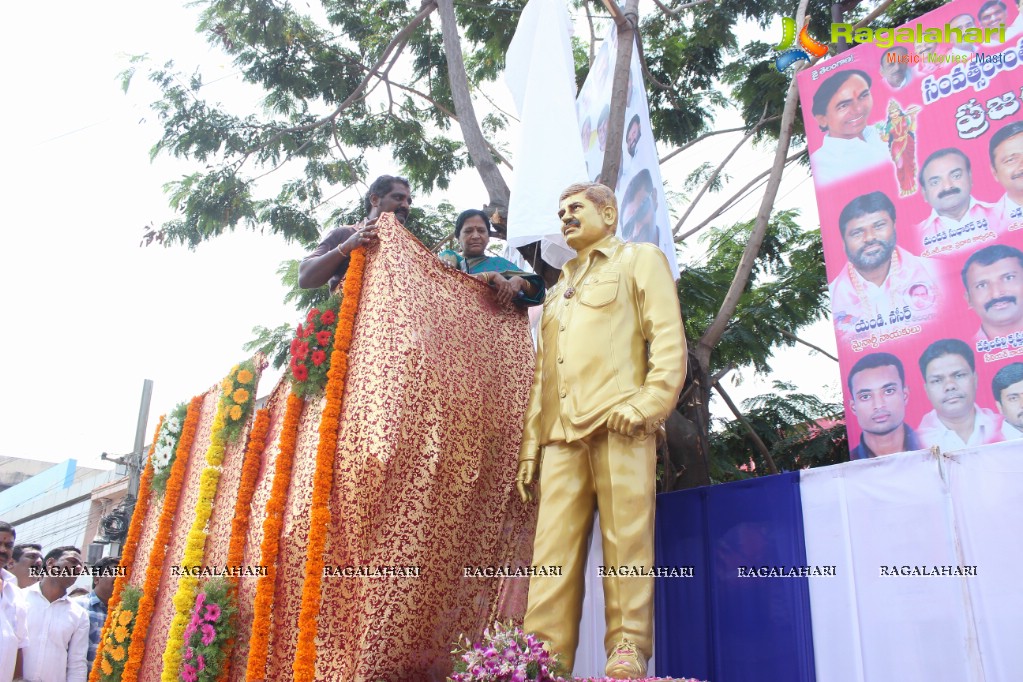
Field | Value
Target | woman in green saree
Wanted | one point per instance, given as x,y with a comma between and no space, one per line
510,285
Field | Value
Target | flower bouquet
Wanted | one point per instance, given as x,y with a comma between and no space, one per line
238,395
118,637
208,632
166,447
311,348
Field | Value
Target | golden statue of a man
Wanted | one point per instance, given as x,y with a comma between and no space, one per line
610,365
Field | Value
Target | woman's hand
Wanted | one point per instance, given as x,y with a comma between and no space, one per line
504,290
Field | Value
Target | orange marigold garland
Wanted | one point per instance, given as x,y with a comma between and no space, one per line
273,520
155,569
131,543
240,523
304,668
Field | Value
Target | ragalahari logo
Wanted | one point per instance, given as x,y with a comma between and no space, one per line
808,46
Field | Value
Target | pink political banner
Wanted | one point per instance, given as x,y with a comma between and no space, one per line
916,151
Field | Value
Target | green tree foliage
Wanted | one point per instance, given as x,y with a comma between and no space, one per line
787,290
799,429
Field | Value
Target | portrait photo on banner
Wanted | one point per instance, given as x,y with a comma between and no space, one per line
916,152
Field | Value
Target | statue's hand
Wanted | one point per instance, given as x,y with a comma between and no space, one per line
626,420
524,479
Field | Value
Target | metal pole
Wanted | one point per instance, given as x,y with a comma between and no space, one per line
138,454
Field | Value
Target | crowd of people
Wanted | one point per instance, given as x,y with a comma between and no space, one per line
49,629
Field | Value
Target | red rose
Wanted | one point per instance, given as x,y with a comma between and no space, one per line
318,357
312,315
323,338
300,372
328,318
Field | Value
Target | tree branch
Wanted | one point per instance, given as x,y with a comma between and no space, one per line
475,143
711,179
425,10
672,154
620,84
878,11
712,336
735,197
757,442
593,35
675,12
790,335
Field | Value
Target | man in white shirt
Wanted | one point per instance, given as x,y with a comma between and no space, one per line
1007,387
880,278
993,278
13,618
1015,29
58,627
1006,152
842,106
950,380
895,67
946,183
26,557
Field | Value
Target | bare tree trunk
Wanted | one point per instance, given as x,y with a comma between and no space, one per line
710,338
627,21
477,146
758,444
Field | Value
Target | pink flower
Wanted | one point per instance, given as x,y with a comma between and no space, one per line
202,663
188,654
212,613
188,673
208,634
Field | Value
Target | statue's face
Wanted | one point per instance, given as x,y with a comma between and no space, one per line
584,224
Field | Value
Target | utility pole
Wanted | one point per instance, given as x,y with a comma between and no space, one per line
115,524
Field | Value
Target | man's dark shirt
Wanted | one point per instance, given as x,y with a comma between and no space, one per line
97,617
910,442
334,238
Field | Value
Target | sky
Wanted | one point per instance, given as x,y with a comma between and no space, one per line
87,314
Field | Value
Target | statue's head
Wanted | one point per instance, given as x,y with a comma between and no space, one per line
588,212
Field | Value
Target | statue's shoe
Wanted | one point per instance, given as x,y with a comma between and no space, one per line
625,662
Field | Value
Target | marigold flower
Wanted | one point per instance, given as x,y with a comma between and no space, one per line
117,653
125,617
236,412
105,666
227,385
244,376
120,633
319,357
240,396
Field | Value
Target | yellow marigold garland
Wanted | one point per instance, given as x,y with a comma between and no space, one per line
195,544
304,668
131,543
240,523
171,497
272,522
